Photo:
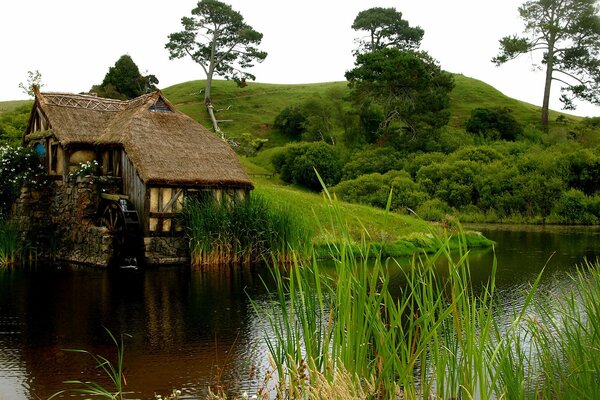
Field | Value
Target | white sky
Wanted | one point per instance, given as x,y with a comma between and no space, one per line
74,42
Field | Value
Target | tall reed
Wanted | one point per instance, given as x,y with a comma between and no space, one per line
11,247
436,336
243,231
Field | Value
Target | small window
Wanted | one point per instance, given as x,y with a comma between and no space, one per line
54,157
160,106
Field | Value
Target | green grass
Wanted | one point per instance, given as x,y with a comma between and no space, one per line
253,109
391,233
12,105
471,93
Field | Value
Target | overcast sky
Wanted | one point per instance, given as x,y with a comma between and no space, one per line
74,42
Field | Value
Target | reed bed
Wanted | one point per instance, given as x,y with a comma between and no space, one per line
11,248
435,337
244,231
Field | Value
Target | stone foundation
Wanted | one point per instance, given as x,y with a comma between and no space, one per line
166,250
58,221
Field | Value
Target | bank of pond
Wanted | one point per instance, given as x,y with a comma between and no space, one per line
245,231
516,321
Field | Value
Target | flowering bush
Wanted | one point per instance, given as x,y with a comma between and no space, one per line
18,167
84,169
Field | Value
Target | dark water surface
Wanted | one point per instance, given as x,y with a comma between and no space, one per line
193,328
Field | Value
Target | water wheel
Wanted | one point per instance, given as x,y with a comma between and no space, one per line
118,215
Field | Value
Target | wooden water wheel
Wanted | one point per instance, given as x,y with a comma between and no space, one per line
118,215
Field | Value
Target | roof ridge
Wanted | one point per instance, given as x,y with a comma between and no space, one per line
91,102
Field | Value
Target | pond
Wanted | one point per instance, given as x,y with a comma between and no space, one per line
193,328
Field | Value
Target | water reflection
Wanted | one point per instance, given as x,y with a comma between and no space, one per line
188,326
191,328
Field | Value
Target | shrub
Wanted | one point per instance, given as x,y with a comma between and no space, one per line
497,123
434,210
18,167
374,190
297,164
290,121
370,160
572,208
481,154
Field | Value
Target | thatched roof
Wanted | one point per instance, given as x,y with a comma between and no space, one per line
165,145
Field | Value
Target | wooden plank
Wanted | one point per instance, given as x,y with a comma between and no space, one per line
114,197
170,203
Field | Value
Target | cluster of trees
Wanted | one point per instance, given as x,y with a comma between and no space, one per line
395,138
124,81
500,181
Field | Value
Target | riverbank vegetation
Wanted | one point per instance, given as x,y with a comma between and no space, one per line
244,231
438,335
10,243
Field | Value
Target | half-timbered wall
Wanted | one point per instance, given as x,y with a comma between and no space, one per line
165,203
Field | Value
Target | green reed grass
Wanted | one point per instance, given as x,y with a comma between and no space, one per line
436,336
11,247
244,231
112,371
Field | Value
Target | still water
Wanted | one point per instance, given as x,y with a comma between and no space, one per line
190,328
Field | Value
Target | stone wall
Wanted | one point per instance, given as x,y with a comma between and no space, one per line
166,250
58,221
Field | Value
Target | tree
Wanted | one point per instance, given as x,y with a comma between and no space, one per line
568,34
386,29
411,88
34,78
124,81
217,38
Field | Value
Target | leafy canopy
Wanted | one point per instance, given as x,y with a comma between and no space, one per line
386,29
217,38
410,87
124,81
567,33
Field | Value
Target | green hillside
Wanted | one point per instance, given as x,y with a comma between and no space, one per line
6,106
253,109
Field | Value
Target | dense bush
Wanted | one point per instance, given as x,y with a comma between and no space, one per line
497,123
18,167
290,121
370,160
374,189
574,207
297,164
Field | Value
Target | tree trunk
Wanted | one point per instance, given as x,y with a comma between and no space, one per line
548,83
208,103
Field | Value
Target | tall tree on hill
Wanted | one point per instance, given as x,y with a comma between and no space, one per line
411,89
568,34
124,81
217,38
386,29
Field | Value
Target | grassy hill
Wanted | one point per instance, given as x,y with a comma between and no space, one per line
6,106
253,109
